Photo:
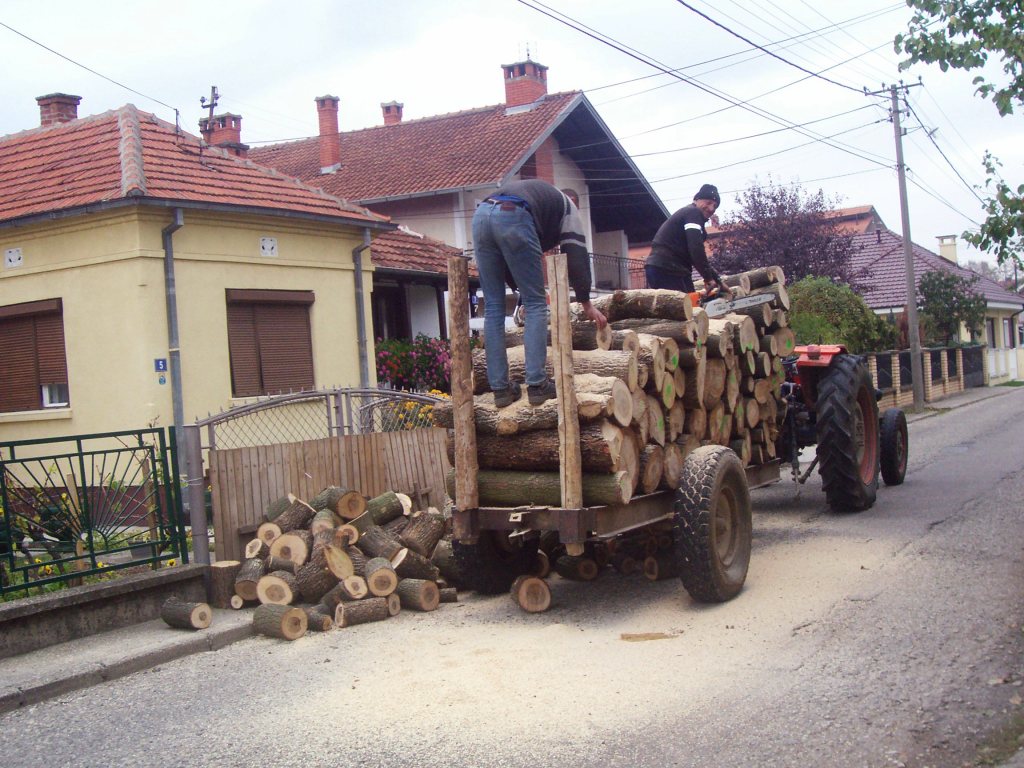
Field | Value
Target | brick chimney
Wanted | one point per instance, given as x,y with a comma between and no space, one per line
224,131
57,108
392,112
525,82
330,145
947,248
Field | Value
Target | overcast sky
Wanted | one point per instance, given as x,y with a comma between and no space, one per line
270,60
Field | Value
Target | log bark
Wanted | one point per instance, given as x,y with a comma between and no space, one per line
274,563
652,466
185,615
768,345
324,520
645,302
338,562
279,621
381,578
361,612
576,568
358,560
780,295
238,603
277,587
449,595
388,506
623,339
683,332
257,548
714,383
696,376
296,517
696,422
248,575
619,364
222,582
676,421
446,564
296,545
277,506
376,542
600,449
531,593
671,467
785,341
423,532
585,336
412,565
418,594
314,582
506,488
660,566
317,621
655,421
744,331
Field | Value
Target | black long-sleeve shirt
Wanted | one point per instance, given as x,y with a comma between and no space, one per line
558,222
679,244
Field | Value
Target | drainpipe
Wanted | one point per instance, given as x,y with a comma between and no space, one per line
357,260
197,513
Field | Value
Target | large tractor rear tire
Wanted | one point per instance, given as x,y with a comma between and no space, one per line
893,446
493,563
713,528
847,435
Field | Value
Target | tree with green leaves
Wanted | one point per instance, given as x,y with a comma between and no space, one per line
965,34
823,312
784,226
946,301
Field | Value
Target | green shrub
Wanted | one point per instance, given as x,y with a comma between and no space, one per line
824,312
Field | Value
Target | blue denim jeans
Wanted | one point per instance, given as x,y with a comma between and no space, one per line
664,278
506,236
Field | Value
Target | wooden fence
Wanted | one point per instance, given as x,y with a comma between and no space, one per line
244,481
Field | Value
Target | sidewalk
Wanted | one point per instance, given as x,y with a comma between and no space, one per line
960,399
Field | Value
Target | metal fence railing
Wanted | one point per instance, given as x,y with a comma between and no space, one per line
85,505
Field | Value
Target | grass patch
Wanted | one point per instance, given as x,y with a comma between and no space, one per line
1004,743
1014,383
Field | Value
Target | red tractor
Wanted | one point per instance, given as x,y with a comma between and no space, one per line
833,405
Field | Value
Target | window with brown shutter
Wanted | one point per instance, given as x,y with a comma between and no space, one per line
34,364
269,341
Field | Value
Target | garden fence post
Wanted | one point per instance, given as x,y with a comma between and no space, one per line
195,493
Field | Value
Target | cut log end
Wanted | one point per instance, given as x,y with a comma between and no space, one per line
531,593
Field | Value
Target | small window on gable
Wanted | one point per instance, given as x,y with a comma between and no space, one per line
269,341
35,369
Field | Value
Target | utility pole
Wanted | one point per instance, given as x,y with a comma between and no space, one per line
212,103
913,331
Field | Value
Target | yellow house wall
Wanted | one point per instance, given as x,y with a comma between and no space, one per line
108,270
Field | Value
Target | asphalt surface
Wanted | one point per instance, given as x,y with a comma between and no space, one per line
891,637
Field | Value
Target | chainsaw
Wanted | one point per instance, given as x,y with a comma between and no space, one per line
717,307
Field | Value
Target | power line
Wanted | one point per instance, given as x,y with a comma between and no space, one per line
938,149
89,69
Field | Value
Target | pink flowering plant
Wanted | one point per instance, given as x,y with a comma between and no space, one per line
420,365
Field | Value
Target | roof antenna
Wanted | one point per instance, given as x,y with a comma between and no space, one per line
214,95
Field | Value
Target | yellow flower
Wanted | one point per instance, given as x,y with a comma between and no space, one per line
171,562
39,560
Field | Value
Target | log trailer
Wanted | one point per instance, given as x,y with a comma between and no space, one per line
829,401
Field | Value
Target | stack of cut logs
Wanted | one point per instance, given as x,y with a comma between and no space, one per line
338,560
660,380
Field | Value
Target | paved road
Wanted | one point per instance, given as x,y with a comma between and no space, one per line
892,637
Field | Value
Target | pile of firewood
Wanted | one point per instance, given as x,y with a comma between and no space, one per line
662,379
338,560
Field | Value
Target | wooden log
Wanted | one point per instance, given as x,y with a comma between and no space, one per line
247,578
741,447
619,364
380,576
741,280
752,409
719,343
361,612
268,532
744,331
671,467
652,466
576,568
296,545
780,296
344,502
696,380
358,559
344,535
716,420
785,341
418,594
645,302
600,449
388,506
660,566
186,615
338,561
354,587
446,563
676,421
325,520
714,382
761,314
376,542
683,332
585,336
531,593
277,506
764,276
508,488
768,345
732,390
423,532
412,565
280,621
238,603
275,563
277,587
222,582
649,354
780,318
316,620
313,582
296,517
541,565
696,422
623,339
257,548
655,421
700,324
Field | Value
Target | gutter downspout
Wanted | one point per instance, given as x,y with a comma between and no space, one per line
197,513
357,260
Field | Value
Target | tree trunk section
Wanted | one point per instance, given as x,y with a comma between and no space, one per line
277,506
296,517
277,587
342,501
600,448
317,621
388,506
506,488
248,576
418,594
279,621
619,364
274,563
412,565
296,545
314,582
182,615
660,566
532,594
257,548
361,612
324,520
222,582
623,339
645,302
576,568
381,578
652,465
376,542
268,532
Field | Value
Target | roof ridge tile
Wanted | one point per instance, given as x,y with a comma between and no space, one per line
133,169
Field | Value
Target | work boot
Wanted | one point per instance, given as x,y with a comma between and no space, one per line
539,393
505,397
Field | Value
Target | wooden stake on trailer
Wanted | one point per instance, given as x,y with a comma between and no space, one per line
466,490
571,465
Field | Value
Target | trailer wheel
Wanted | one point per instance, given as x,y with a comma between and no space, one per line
893,441
847,434
493,563
713,528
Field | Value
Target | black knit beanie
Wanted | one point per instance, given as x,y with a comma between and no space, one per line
709,192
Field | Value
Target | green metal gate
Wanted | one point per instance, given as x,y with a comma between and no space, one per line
78,506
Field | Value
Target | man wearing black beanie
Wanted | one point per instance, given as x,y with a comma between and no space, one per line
678,246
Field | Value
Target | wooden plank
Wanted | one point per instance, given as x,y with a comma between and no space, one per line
467,494
236,503
249,504
216,484
571,464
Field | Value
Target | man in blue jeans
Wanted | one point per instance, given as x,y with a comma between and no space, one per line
511,231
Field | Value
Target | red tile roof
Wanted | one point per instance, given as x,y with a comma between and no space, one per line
473,148
409,251
878,258
126,153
